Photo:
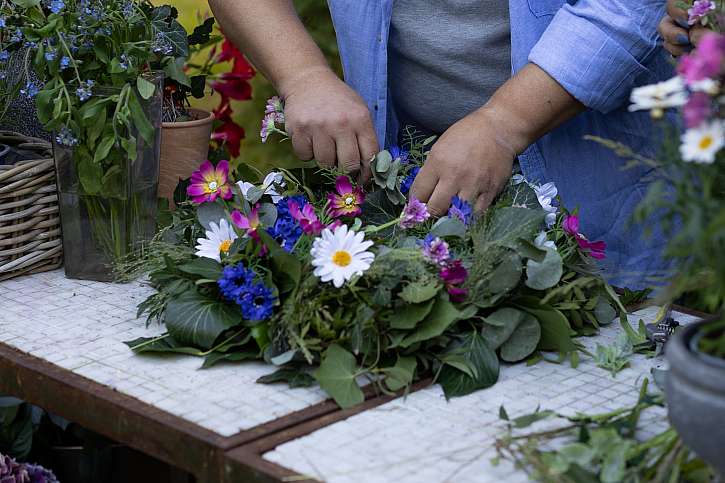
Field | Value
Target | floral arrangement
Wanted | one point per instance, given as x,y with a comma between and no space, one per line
335,285
694,165
13,472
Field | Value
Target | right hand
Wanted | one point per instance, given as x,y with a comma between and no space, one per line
679,37
329,122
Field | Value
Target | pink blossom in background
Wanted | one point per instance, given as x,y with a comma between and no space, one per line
571,225
698,10
705,62
596,249
453,275
697,109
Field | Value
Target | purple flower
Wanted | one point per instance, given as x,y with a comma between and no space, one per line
408,181
274,105
706,61
699,9
697,109
454,275
38,474
460,209
209,182
414,213
348,199
436,250
12,472
268,126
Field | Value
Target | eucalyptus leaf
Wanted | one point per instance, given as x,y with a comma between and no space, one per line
523,341
210,212
545,274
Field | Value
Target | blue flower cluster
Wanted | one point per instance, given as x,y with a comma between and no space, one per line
238,284
399,153
31,89
408,181
460,209
65,137
85,91
56,6
286,230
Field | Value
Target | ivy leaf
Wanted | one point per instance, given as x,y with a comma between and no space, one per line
197,320
294,376
401,374
546,274
165,343
416,292
480,357
408,316
216,357
441,316
336,375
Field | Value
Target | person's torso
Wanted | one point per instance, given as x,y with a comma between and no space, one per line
446,58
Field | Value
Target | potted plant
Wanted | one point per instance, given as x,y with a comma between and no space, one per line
186,131
99,95
692,200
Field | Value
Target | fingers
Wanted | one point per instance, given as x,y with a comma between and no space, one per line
368,147
424,183
324,149
302,146
348,154
440,200
483,202
676,39
676,13
696,34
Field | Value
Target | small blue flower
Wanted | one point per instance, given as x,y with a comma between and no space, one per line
17,36
30,45
31,89
128,9
286,231
65,137
124,62
4,55
56,6
85,91
399,153
255,299
2,22
408,181
64,62
460,209
50,55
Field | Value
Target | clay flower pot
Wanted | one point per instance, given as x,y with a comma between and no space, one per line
184,146
695,391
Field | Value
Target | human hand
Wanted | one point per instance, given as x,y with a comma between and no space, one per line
679,36
472,159
329,122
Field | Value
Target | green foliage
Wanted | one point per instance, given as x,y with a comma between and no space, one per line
16,428
337,374
614,357
477,366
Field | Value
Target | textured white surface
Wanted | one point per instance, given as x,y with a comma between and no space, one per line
81,326
424,439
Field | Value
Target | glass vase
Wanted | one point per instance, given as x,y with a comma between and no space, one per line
108,206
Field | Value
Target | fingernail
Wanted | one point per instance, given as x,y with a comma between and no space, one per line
682,39
682,23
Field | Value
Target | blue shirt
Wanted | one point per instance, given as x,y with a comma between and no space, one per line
598,51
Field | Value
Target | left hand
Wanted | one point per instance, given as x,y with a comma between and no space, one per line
471,159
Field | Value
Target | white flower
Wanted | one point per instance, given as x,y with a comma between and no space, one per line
546,194
701,144
218,240
517,179
273,180
708,86
542,241
663,95
340,255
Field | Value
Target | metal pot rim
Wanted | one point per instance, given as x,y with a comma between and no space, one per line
693,366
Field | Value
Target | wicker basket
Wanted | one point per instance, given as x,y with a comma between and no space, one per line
30,239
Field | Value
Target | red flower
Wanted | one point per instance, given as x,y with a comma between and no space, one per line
233,86
231,134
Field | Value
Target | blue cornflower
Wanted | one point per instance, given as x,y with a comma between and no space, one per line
235,279
31,89
4,55
56,6
65,137
408,181
85,91
460,209
399,153
64,62
286,231
255,299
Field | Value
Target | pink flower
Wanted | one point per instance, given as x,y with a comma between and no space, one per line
306,217
347,201
453,275
697,109
208,183
596,249
414,213
274,105
699,9
436,250
248,223
334,225
706,61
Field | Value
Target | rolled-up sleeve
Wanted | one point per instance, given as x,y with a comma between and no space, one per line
597,49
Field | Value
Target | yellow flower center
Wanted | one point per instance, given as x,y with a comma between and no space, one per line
705,142
341,258
349,201
213,186
225,246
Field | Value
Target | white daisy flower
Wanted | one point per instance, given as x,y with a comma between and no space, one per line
701,144
218,240
273,180
340,255
660,96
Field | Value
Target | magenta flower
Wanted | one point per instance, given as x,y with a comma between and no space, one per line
347,201
698,10
274,105
454,275
436,250
706,61
268,126
697,109
248,223
414,213
596,249
208,183
306,217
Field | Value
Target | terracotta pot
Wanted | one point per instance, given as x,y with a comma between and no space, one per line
184,146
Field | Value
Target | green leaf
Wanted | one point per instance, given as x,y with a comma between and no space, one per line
287,269
336,375
604,312
140,120
210,212
481,357
524,340
546,274
500,325
165,343
174,70
529,419
216,357
90,174
502,414
203,267
107,143
446,227
408,316
26,3
509,224
401,374
441,316
145,88
416,292
295,377
198,320
555,329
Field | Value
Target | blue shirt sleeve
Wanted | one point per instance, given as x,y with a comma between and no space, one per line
597,49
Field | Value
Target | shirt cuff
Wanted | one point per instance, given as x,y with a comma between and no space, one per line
588,63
